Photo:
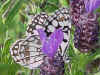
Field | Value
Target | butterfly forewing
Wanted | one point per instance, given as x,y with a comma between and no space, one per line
27,52
38,21
61,19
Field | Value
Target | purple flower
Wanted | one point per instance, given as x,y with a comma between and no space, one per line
50,44
91,5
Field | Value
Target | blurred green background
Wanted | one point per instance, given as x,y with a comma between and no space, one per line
14,16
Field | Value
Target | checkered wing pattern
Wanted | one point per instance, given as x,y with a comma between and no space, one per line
26,52
59,19
38,21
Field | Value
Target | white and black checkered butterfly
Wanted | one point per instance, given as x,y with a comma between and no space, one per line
26,52
59,19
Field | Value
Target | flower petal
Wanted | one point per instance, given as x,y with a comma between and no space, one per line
42,35
51,45
91,5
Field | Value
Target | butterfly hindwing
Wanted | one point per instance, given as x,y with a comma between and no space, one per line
27,52
14,51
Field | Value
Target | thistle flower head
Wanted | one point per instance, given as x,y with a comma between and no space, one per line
77,7
50,44
86,34
91,5
53,66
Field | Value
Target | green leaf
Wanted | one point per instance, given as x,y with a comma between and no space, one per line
5,54
13,11
63,3
8,69
51,5
4,7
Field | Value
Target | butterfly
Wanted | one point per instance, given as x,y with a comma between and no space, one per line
27,52
59,19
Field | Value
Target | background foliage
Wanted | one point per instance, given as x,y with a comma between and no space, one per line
14,15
